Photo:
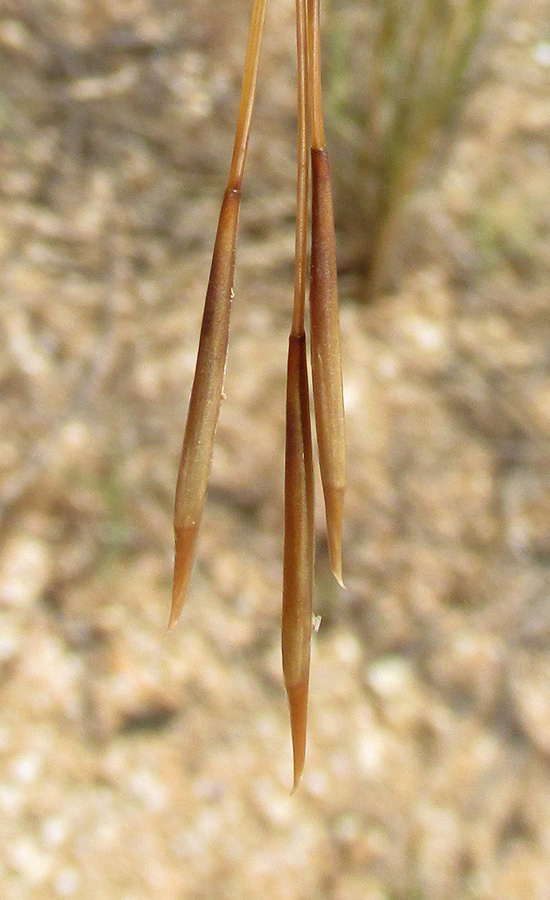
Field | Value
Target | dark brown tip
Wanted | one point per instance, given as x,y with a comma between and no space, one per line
334,504
186,541
297,701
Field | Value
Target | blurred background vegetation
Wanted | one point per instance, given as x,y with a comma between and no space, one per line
389,109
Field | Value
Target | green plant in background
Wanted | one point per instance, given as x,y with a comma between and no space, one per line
505,228
390,103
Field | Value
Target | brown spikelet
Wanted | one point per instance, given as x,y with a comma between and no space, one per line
298,548
207,389
204,405
325,356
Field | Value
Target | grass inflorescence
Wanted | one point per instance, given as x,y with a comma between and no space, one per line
204,405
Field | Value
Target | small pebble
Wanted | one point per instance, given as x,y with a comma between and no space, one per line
67,883
541,54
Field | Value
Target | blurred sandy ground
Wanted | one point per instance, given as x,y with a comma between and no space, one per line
136,765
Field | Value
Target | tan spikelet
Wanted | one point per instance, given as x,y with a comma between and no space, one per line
204,406
325,334
298,548
325,356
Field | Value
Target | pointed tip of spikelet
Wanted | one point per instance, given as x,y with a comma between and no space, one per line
334,502
297,701
186,539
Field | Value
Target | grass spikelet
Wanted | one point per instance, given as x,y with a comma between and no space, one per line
206,393
298,549
325,333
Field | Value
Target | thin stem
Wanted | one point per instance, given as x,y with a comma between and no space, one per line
248,93
300,270
318,139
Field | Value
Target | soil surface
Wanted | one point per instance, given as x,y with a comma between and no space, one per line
135,764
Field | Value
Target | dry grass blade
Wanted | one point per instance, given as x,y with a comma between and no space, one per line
207,389
325,331
298,548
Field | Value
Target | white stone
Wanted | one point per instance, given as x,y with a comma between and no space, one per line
541,54
26,768
67,883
